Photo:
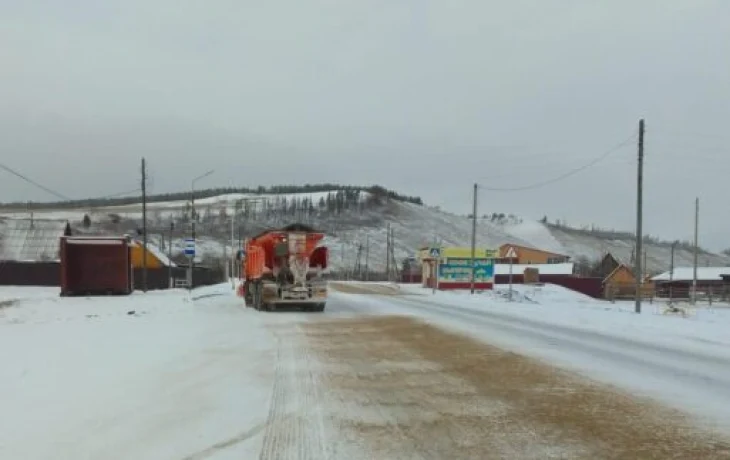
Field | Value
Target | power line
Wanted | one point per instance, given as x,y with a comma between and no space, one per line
31,181
518,169
565,175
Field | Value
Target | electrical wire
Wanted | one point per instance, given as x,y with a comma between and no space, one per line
546,168
31,181
565,175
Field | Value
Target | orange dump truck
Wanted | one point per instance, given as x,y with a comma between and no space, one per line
284,268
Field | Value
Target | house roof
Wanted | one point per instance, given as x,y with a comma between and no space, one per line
520,246
157,252
687,274
618,260
543,269
30,241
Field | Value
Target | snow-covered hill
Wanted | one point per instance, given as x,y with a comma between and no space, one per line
358,226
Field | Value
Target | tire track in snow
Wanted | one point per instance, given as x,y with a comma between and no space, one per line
216,448
295,427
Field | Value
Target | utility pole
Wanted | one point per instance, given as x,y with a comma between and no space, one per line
696,250
511,261
169,253
191,266
342,260
357,269
367,257
394,263
234,252
639,216
671,273
474,239
387,252
144,226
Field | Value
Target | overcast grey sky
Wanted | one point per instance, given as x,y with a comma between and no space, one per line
425,97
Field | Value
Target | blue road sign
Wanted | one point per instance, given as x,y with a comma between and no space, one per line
435,253
190,247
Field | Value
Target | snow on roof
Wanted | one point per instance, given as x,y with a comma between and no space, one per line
543,269
687,274
157,252
26,240
96,241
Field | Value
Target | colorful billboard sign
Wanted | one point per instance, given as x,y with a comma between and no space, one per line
459,270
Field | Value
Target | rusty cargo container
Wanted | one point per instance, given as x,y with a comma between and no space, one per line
96,266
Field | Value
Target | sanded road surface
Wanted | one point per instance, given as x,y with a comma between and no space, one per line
390,386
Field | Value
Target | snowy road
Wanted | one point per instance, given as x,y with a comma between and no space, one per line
696,380
157,376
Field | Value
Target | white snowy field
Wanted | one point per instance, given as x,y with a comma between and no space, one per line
170,375
152,376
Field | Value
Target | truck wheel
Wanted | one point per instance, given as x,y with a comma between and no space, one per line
257,296
247,294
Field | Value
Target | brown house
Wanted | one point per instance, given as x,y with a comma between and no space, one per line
621,282
528,256
607,266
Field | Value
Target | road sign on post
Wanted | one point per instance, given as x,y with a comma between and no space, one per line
190,252
435,254
190,247
511,255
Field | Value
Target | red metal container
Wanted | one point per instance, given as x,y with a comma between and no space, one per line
96,266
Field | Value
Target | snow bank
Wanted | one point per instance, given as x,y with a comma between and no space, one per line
705,328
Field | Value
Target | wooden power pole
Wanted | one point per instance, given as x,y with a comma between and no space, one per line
367,257
639,217
387,252
696,251
144,226
474,239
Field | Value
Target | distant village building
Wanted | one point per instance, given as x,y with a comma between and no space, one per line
678,283
451,267
619,280
525,255
29,251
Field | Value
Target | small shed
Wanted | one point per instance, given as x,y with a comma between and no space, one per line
96,266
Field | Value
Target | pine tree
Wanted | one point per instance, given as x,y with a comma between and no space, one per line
330,203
